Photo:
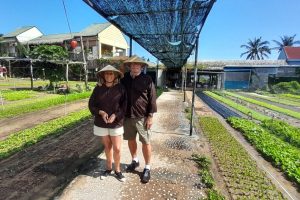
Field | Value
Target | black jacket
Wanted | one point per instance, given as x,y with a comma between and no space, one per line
112,100
141,95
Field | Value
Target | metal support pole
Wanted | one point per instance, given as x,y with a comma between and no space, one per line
157,73
84,64
182,79
9,68
184,88
130,46
67,72
194,88
249,79
31,74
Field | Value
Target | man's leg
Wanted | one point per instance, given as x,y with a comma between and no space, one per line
145,177
132,148
132,144
147,153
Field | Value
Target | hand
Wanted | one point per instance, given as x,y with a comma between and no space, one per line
148,122
112,118
104,116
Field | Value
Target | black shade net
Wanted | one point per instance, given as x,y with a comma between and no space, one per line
168,29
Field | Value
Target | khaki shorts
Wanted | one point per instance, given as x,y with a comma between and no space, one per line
108,131
132,126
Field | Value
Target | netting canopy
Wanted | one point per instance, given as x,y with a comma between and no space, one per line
168,29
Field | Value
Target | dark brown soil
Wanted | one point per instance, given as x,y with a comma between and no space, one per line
40,171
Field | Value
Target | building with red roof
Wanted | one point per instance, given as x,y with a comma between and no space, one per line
291,55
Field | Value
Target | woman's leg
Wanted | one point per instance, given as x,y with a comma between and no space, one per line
108,151
116,143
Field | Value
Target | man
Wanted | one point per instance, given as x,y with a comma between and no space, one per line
141,104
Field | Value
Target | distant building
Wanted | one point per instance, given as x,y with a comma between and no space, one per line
291,55
101,40
9,44
245,74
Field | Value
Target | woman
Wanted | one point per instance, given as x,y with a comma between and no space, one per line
108,105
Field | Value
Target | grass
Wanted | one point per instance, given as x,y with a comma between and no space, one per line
40,104
12,95
266,105
28,137
159,91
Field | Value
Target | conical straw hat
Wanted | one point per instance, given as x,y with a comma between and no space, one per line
135,59
110,68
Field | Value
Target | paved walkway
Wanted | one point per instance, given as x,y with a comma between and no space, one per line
174,174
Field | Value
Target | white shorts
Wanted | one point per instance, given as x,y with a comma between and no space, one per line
108,131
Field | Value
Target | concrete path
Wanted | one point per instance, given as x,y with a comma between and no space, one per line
174,174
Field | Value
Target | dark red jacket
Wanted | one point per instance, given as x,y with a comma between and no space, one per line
112,100
141,95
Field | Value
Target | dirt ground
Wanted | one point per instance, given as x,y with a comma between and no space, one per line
174,173
41,171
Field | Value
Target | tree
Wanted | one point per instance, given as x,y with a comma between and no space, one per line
23,52
256,49
49,53
285,41
49,56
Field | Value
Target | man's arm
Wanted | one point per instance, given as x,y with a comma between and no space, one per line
152,107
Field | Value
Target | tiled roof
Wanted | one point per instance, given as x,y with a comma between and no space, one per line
292,53
18,31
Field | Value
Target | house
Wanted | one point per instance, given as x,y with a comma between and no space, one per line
291,55
243,74
10,43
100,40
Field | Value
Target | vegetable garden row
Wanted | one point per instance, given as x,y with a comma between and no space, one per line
241,175
278,141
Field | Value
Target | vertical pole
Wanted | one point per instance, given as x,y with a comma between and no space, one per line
157,73
84,64
31,74
250,79
9,68
182,79
194,88
1,99
44,77
67,72
130,46
185,76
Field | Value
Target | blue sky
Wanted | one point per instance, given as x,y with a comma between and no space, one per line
229,25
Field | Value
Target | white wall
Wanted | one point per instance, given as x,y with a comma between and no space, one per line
29,35
113,37
161,78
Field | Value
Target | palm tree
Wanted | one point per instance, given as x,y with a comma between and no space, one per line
256,49
286,41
